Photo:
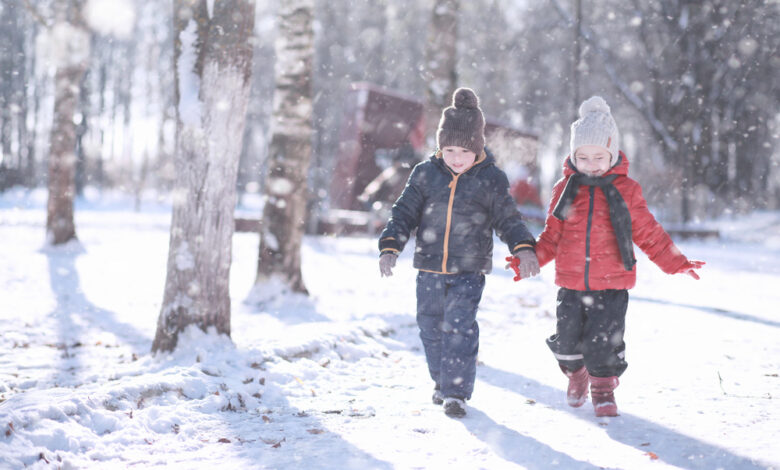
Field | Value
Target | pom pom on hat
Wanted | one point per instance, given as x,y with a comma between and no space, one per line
596,126
465,98
594,104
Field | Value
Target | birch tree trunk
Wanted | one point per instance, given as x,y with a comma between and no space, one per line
290,150
441,57
212,64
72,44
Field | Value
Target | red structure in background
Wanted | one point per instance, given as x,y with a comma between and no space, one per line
382,138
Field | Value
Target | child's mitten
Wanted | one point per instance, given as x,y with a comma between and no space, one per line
387,263
524,263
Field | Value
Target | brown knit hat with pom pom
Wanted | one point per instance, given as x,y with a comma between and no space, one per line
462,124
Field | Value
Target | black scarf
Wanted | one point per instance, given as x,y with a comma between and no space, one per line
618,210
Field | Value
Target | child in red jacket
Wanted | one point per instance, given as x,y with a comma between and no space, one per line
596,215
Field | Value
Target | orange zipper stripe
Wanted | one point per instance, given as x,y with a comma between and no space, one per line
452,186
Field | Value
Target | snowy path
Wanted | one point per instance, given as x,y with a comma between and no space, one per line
339,381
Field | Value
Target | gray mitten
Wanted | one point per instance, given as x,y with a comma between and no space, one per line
387,263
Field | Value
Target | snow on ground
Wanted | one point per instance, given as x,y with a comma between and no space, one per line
338,380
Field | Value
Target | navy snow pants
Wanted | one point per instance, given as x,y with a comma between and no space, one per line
590,331
446,314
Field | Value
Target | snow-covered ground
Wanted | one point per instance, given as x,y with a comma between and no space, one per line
338,380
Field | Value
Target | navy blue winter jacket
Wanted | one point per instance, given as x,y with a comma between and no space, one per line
455,215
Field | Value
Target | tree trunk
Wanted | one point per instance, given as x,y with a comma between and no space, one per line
60,227
212,62
441,56
284,214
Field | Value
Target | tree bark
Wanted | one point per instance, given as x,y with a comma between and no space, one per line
441,57
286,189
71,65
212,63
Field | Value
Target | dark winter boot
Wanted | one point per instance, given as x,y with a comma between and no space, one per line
577,392
437,397
601,389
454,407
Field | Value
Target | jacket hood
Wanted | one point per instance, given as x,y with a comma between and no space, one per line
620,168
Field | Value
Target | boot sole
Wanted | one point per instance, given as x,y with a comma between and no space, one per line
576,403
606,410
454,413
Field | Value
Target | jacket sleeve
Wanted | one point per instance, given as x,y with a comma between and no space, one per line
506,219
547,243
405,214
651,237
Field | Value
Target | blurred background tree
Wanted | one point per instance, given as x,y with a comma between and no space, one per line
691,83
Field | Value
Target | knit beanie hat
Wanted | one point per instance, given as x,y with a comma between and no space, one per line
462,124
596,127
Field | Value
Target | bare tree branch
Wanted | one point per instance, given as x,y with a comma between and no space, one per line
636,101
36,14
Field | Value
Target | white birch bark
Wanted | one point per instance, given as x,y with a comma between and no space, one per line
284,214
213,68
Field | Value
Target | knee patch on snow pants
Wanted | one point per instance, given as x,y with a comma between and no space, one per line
589,331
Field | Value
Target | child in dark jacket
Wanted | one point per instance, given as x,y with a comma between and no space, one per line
455,200
596,214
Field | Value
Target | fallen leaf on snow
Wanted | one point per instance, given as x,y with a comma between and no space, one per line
652,455
315,431
273,442
224,440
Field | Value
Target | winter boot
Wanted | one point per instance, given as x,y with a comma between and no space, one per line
601,389
437,397
577,392
454,407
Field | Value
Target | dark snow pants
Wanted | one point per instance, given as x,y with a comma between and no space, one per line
590,331
446,314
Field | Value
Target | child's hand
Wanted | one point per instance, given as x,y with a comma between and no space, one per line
387,263
689,268
524,263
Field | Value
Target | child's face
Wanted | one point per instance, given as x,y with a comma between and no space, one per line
592,160
458,159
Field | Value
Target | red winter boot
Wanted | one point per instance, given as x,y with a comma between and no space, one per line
603,399
577,392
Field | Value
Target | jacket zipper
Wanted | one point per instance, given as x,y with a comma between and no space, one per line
592,191
452,185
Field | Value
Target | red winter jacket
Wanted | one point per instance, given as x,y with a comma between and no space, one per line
584,245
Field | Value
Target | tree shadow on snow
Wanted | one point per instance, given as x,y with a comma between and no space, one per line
74,313
678,449
714,311
514,447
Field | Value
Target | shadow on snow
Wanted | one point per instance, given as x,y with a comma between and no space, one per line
514,447
679,450
713,310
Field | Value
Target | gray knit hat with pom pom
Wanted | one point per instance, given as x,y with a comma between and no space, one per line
462,124
596,126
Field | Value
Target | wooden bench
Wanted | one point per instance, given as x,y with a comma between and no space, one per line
685,232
